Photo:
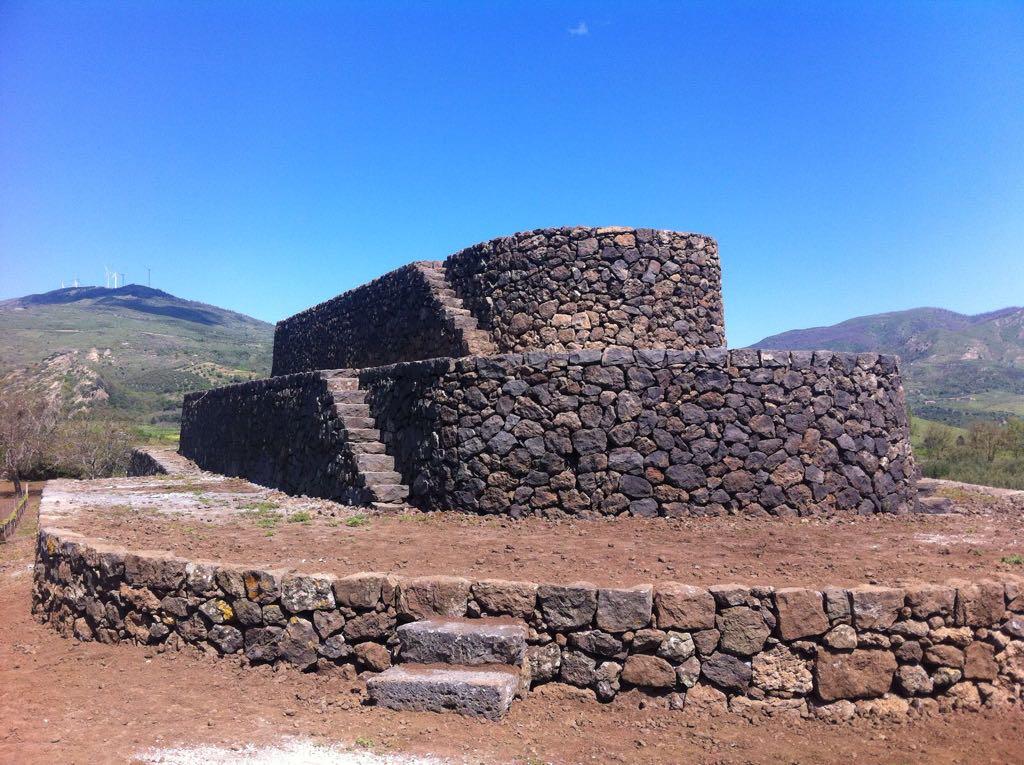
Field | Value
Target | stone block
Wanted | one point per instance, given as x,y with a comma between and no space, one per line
684,607
477,692
801,613
620,610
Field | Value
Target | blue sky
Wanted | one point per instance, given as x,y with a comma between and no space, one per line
849,158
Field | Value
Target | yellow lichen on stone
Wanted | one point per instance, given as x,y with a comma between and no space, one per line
225,609
51,545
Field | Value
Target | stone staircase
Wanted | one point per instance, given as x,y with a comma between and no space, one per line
470,666
376,475
475,341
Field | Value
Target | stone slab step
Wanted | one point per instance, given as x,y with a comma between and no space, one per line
342,383
362,434
388,493
375,462
353,410
469,642
366,447
397,508
469,691
349,397
358,422
380,477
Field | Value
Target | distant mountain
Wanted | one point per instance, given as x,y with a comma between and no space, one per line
956,367
133,350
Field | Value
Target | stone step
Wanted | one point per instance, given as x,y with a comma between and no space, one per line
469,691
352,410
366,447
469,642
380,477
349,396
358,422
388,493
375,462
342,383
362,434
396,508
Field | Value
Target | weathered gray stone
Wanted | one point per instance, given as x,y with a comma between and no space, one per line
485,693
307,593
567,606
728,672
462,641
227,639
622,610
743,630
298,643
544,662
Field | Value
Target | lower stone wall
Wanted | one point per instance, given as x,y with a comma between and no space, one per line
155,461
831,652
649,432
282,432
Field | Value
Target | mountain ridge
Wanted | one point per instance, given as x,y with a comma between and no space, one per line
957,367
132,351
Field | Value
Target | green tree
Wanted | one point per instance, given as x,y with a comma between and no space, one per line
938,440
986,439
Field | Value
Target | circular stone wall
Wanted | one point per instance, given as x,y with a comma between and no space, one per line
828,651
569,288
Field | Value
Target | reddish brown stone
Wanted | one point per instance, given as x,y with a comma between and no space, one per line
649,672
860,674
426,596
980,662
682,606
980,604
801,613
875,608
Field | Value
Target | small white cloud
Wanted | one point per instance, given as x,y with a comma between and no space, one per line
580,30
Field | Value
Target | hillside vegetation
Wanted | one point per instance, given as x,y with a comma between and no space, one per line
129,353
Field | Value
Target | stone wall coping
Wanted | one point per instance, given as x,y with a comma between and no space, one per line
652,358
725,594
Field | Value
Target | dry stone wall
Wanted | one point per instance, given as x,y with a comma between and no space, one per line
398,317
832,652
649,432
568,288
282,432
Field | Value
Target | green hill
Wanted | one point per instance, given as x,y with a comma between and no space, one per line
956,368
132,351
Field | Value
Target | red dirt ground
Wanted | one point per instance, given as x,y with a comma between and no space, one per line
69,702
208,520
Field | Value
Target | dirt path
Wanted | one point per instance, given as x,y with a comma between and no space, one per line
69,702
234,521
